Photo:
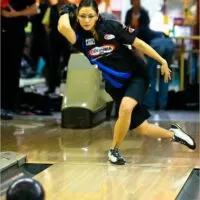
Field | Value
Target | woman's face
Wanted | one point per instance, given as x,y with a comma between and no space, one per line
87,18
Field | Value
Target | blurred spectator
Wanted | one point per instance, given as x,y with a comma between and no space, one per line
138,18
14,18
153,99
104,10
39,47
59,48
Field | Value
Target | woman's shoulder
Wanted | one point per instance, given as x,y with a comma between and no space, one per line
109,24
110,21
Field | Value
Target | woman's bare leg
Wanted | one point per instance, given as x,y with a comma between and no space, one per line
176,133
152,130
123,122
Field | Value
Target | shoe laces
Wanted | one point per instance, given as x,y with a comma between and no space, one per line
116,153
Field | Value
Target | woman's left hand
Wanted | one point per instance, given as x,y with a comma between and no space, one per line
165,71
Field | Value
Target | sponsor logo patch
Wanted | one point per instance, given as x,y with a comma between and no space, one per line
101,50
109,36
90,42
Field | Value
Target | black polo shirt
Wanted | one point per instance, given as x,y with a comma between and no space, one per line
110,52
16,23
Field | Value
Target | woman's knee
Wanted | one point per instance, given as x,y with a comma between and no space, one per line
126,107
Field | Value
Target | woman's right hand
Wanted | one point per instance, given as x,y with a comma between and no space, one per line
69,9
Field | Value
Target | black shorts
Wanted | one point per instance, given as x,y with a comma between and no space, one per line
135,89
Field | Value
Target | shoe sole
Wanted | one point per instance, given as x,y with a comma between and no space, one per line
117,163
191,147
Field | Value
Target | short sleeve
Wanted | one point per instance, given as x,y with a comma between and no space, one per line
124,33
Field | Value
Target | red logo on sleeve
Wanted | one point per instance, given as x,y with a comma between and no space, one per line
130,30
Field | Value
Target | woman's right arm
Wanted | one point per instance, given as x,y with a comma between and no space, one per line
65,28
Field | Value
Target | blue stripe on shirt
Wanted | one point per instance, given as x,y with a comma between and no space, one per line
112,81
103,68
124,75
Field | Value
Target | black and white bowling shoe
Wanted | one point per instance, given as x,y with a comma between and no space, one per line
182,137
115,158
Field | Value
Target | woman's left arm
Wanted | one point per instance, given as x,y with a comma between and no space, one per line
146,49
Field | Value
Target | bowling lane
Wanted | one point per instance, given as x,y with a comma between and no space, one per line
45,142
104,181
156,168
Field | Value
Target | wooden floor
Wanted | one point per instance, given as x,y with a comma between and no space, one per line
156,169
